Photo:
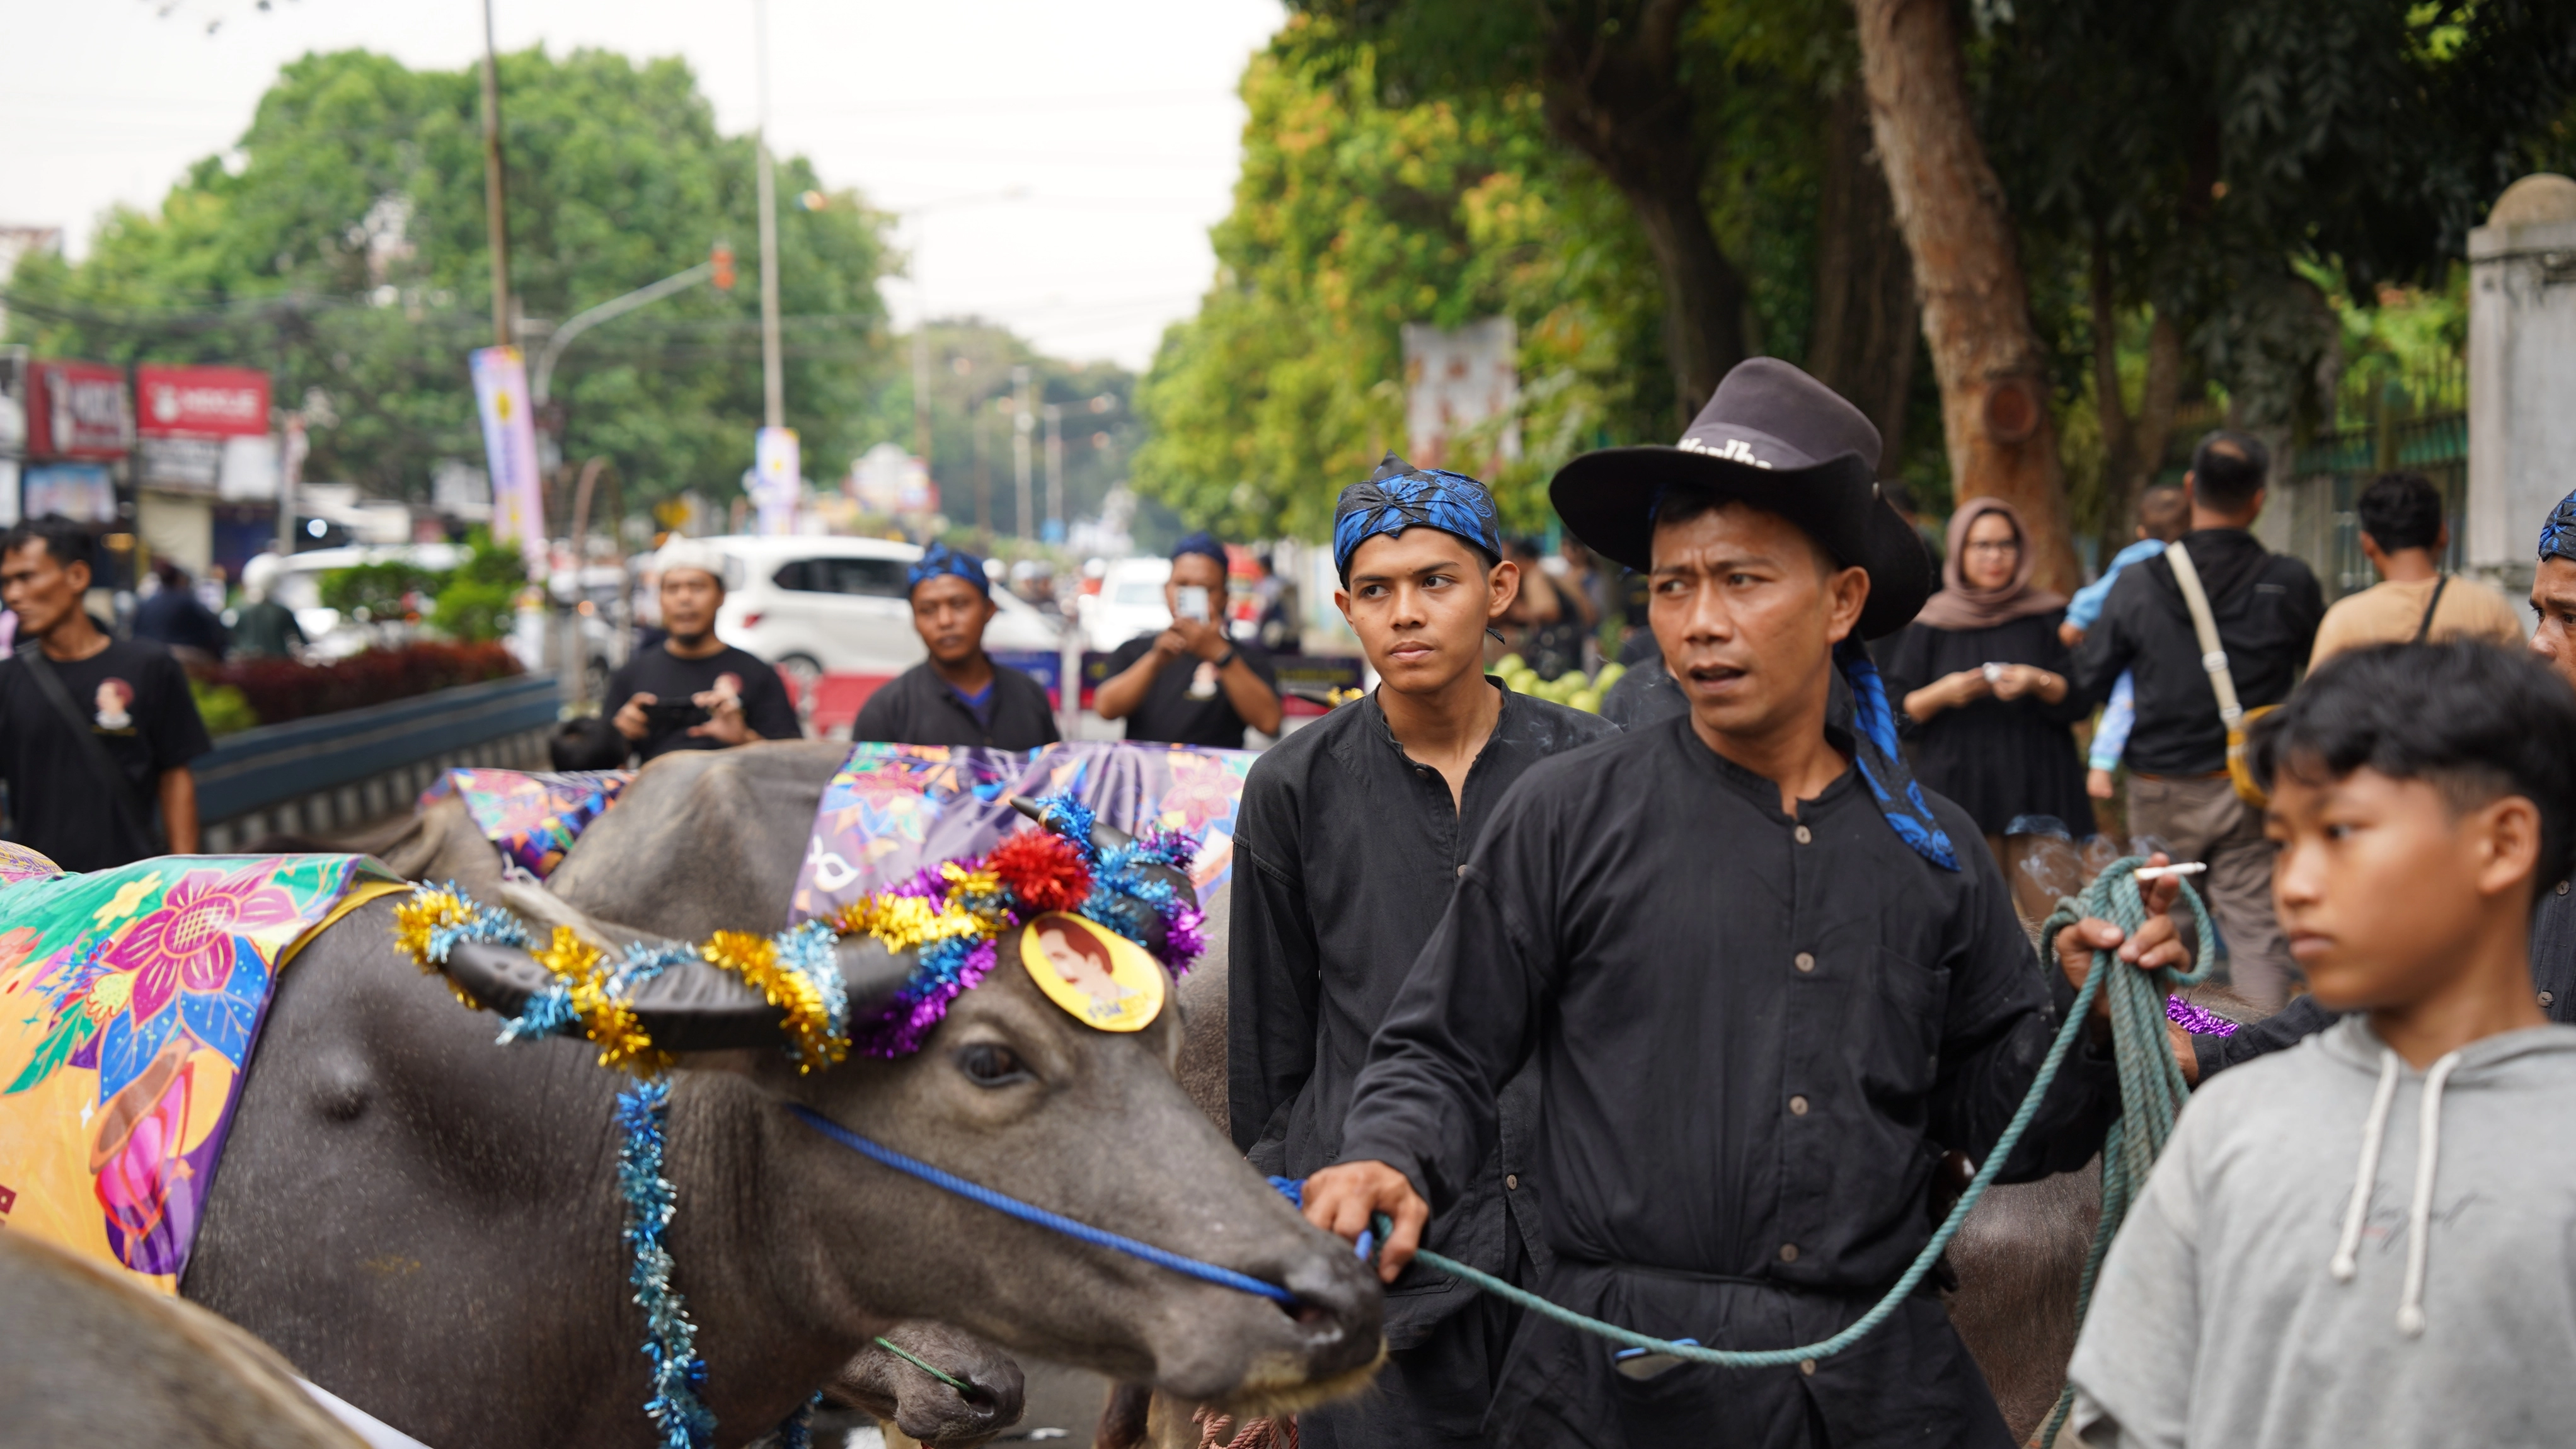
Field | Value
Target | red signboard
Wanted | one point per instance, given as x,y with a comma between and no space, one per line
77,410
200,402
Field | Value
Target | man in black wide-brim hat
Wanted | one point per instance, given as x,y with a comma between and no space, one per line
1766,985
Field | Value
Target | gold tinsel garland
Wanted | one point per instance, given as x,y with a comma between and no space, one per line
809,1019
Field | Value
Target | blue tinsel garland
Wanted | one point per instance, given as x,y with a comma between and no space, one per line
670,1339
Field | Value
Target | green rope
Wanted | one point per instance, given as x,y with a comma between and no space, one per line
2151,1090
951,1380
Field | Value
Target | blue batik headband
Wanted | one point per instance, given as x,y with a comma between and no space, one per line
1882,764
2558,535
1400,496
940,559
1203,544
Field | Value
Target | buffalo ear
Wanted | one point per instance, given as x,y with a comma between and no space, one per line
871,974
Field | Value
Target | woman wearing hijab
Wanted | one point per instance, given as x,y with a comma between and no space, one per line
1984,682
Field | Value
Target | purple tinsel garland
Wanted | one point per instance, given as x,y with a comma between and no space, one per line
898,1030
2195,1020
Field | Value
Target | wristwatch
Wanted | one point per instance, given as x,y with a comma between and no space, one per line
1228,657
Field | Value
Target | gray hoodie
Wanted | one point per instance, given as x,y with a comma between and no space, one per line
2338,1250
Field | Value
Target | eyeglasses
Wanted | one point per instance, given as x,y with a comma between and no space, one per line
1993,546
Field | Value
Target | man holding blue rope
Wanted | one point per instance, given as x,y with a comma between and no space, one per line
1351,831
1765,987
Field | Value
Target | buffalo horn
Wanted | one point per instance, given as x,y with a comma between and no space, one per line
692,1006
1140,923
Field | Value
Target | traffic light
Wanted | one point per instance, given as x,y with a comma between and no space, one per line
722,258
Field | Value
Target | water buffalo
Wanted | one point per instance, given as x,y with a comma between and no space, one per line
93,1359
428,1224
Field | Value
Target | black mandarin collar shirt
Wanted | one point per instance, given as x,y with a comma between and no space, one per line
1757,1032
1345,851
918,707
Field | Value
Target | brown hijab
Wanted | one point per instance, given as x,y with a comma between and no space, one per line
1958,606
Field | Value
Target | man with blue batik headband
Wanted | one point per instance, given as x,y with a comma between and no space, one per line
958,696
1767,990
1351,832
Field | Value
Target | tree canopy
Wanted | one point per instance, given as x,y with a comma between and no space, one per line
341,245
1352,217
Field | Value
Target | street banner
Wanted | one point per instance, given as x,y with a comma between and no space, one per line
1462,395
77,410
200,402
777,475
510,448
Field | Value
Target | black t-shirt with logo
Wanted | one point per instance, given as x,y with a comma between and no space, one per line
666,676
1186,704
133,697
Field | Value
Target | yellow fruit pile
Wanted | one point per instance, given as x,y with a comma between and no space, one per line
1571,689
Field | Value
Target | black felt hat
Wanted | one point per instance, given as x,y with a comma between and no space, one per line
1783,442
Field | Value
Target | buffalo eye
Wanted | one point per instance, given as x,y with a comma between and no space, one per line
990,1064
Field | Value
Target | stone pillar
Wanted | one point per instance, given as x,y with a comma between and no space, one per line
2522,375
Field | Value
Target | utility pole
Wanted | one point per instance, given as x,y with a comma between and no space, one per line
1024,420
773,384
920,380
492,188
983,473
1055,472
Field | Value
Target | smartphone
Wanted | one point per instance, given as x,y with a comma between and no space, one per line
1194,603
674,714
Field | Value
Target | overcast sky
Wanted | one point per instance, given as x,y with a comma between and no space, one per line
1117,120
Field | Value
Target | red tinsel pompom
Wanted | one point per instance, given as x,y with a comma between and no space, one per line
1042,869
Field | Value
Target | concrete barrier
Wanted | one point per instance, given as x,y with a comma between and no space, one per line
338,771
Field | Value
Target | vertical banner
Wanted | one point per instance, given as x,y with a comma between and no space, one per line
510,446
777,475
1462,395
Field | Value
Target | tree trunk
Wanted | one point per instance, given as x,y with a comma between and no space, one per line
1615,93
1976,308
1866,320
2133,446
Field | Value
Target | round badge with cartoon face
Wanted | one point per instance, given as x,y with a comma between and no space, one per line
1101,977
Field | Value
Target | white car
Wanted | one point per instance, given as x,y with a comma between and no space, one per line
1130,602
297,583
816,605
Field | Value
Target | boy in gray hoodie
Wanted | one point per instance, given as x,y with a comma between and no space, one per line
2370,1239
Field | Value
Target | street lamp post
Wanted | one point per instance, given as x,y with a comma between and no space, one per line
773,383
1024,421
541,380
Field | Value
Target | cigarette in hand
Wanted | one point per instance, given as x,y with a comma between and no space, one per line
2159,872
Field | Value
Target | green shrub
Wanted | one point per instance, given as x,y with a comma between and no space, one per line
222,707
393,590
479,598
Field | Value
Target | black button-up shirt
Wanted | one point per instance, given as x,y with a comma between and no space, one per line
918,707
1757,1033
1345,849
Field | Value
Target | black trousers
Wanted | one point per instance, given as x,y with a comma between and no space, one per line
1435,1394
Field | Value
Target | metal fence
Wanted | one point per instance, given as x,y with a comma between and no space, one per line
2385,421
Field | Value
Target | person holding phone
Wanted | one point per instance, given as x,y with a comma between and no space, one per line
1190,684
694,691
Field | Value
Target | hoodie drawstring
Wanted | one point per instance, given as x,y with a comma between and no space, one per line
2419,1217
2366,1175
2419,1222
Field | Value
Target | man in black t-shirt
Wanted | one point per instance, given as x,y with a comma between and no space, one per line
958,696
1190,684
88,803
693,691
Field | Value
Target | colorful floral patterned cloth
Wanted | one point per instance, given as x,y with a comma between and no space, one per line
532,818
130,1000
893,809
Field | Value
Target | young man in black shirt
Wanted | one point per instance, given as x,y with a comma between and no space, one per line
1350,830
2266,608
1768,979
958,696
90,758
1190,684
693,691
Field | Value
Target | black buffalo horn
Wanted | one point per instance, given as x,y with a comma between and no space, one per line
692,1006
1138,921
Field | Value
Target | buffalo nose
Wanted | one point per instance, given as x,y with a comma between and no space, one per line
1340,1308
